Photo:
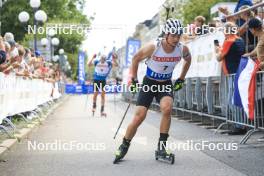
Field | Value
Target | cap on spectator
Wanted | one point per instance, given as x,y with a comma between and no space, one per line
37,53
255,23
2,56
9,36
12,43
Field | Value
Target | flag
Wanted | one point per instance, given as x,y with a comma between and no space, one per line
81,70
245,86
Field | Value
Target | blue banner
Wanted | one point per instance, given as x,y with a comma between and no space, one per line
88,89
81,68
132,47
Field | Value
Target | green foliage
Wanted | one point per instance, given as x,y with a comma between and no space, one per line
58,11
187,10
193,8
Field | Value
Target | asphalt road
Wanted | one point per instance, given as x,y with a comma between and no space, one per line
93,147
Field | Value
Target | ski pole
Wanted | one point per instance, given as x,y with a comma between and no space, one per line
124,115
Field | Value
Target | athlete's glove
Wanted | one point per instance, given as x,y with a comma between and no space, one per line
178,84
133,87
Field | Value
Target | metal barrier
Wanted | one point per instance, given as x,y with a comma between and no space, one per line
201,96
212,97
259,114
19,95
237,115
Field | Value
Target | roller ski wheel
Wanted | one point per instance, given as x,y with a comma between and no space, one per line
120,153
103,114
93,111
165,156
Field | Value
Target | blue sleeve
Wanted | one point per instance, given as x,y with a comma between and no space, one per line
242,3
96,62
109,63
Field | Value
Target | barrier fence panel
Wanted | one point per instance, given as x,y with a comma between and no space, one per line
259,100
18,94
235,114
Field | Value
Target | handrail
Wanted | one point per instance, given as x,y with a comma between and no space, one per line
245,10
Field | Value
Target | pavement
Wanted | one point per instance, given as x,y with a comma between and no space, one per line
73,142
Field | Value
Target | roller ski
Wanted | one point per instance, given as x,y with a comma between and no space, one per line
122,151
164,155
94,108
103,114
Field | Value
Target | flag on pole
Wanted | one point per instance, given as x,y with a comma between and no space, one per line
245,86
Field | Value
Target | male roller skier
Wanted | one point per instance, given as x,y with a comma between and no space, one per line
101,71
162,56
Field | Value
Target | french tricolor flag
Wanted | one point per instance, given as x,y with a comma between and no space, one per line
245,86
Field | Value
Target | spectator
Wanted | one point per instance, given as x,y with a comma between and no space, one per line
23,69
198,27
232,50
256,27
13,49
240,3
230,55
244,32
5,64
7,49
27,55
2,52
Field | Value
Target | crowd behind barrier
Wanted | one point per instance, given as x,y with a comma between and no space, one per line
208,93
21,95
28,81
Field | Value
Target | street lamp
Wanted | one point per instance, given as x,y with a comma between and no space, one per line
63,62
55,58
23,17
39,16
55,41
61,51
51,32
35,4
44,42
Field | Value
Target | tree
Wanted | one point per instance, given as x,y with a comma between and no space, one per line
193,8
62,10
58,11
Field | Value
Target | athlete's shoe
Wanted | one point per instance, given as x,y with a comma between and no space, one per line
121,152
